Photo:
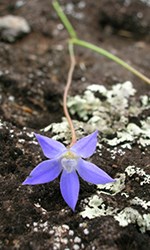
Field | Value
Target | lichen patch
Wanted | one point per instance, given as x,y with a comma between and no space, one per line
97,206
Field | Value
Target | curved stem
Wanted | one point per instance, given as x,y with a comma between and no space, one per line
110,56
69,80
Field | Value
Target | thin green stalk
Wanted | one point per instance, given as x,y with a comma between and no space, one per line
110,56
76,41
64,19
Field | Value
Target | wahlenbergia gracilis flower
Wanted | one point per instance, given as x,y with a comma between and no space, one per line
70,164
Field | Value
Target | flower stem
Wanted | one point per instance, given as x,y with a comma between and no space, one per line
69,80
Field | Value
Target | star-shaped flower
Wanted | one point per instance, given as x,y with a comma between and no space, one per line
70,164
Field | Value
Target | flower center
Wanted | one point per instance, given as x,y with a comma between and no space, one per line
69,161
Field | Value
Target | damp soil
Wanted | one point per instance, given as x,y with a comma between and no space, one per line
33,72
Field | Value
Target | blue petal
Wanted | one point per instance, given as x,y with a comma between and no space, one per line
69,186
45,172
50,147
86,146
91,173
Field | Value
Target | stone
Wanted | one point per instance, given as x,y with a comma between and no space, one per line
13,27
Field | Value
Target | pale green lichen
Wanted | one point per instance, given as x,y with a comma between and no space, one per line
130,215
145,100
83,107
113,188
139,202
121,137
145,223
97,207
131,170
133,133
61,131
110,113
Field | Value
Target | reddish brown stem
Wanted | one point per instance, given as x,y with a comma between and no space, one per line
67,87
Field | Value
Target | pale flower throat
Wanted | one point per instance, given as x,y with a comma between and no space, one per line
69,161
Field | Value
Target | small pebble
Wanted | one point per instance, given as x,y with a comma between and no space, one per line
71,232
60,26
20,3
77,239
51,232
76,247
65,226
12,27
86,231
35,224
65,241
11,98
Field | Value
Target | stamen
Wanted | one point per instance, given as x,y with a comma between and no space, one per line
69,161
69,164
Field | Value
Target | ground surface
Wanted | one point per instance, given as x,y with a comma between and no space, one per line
33,73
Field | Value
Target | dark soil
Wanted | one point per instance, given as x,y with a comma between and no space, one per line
33,72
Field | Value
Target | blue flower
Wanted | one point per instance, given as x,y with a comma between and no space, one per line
69,163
